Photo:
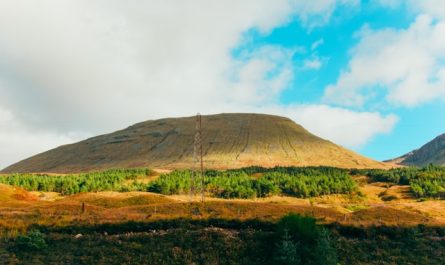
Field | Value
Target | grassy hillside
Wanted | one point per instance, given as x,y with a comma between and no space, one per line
229,141
431,153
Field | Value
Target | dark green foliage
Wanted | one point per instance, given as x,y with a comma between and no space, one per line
132,226
424,182
240,183
400,176
70,184
312,242
251,182
313,184
182,241
301,228
325,251
321,170
299,182
32,241
218,241
286,251
390,245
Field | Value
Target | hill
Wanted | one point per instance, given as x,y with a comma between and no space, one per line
229,141
431,153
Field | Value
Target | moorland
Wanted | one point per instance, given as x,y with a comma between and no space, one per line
253,215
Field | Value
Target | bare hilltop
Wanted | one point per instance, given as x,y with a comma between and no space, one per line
229,141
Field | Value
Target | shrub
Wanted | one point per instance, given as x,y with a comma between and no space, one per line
286,251
303,242
32,241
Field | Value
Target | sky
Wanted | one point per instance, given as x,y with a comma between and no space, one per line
367,75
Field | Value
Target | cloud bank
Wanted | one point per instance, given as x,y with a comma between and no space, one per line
74,68
406,64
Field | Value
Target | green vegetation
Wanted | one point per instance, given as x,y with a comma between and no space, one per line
298,182
427,182
310,171
70,184
428,186
239,183
250,182
32,241
302,241
292,240
183,241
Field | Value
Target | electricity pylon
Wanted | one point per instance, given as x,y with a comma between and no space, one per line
198,163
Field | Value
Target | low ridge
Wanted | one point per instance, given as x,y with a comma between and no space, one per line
431,153
229,141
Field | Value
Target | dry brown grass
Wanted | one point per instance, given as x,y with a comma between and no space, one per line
19,209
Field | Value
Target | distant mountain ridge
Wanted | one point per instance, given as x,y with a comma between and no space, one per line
229,141
431,153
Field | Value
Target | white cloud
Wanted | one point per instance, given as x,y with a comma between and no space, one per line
316,13
317,44
18,142
314,63
342,126
261,75
435,8
408,64
5,117
93,66
75,60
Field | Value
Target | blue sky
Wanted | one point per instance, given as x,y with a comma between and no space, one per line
368,75
331,45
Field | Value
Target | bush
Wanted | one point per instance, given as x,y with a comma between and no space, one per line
286,251
32,241
302,241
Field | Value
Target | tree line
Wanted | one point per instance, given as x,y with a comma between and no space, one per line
109,180
424,182
249,182
246,183
252,182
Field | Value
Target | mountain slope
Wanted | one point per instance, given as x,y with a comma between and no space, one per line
229,141
431,153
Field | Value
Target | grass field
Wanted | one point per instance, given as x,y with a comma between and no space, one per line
369,226
19,208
